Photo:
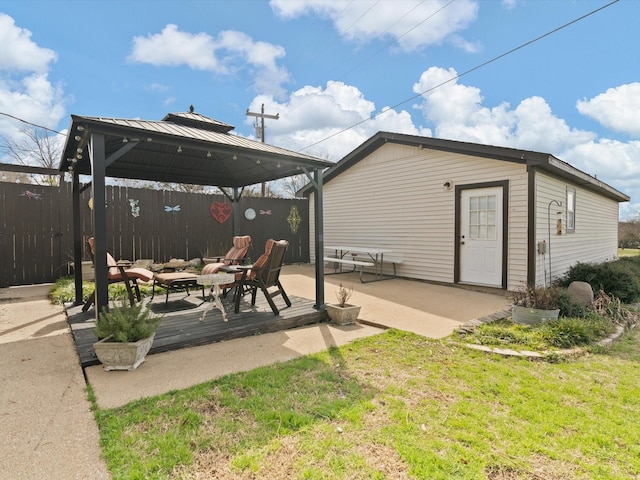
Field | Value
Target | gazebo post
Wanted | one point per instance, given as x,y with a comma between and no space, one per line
77,237
319,227
98,167
235,211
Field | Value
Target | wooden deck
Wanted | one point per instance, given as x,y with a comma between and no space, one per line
182,326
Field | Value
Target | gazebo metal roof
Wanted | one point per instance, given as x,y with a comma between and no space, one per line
181,148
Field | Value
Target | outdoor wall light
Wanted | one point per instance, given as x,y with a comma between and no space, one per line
179,149
125,140
235,157
209,154
258,162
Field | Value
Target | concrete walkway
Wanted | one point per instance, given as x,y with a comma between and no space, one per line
48,430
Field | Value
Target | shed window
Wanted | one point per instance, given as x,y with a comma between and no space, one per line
571,210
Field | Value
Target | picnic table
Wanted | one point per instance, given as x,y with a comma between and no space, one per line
362,257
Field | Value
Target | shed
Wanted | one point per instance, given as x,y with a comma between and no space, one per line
469,214
184,147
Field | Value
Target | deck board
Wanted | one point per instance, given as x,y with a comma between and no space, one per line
182,327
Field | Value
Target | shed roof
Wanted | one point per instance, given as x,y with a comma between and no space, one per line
182,148
543,161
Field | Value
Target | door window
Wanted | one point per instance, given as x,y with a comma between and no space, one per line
482,217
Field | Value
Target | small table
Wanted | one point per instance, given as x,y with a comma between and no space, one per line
214,280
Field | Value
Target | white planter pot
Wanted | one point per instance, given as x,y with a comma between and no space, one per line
343,315
122,356
532,316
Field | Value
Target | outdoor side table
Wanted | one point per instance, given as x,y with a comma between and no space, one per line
214,281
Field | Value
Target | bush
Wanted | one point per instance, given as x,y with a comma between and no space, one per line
530,296
572,332
126,324
569,307
618,278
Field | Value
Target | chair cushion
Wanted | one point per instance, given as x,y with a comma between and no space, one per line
242,242
239,249
212,268
167,278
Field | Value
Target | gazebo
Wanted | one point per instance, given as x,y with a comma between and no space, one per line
181,148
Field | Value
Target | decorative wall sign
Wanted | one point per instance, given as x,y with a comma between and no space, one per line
167,208
294,219
31,195
249,214
135,208
220,211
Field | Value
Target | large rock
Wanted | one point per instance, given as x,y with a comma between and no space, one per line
581,292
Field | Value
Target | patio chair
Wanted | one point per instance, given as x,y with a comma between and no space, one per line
235,256
264,274
118,273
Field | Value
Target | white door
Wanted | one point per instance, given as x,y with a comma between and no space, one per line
481,236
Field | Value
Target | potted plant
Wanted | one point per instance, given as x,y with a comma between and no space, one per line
126,334
343,313
533,305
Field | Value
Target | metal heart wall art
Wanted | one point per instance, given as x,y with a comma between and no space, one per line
220,211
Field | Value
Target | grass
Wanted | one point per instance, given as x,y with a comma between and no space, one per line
63,291
551,335
628,252
391,406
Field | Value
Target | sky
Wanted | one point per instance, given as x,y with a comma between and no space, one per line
554,76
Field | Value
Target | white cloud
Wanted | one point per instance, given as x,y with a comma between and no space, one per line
25,90
458,113
313,114
616,109
227,54
411,24
19,53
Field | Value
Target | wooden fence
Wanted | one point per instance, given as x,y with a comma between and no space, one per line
36,230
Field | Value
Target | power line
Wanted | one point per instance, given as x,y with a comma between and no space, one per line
32,124
466,72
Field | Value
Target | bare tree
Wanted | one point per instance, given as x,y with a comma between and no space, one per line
291,185
35,147
182,187
629,233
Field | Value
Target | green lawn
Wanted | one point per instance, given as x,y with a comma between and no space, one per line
628,252
392,406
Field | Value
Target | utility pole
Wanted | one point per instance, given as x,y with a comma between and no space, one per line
260,128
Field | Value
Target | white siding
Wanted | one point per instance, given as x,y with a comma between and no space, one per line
395,198
596,232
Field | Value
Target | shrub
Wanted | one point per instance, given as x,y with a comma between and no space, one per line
530,296
615,278
126,324
572,332
569,307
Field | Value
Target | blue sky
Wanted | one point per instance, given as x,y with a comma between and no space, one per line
330,67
